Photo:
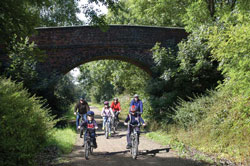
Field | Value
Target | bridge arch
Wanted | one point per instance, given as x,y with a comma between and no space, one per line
69,47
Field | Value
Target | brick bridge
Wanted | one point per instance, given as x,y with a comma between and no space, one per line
69,47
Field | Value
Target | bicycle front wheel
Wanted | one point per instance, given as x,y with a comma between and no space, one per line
86,150
106,130
135,147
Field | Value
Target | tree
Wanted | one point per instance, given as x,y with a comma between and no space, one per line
60,13
144,12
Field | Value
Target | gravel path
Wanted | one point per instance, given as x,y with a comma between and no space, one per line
113,152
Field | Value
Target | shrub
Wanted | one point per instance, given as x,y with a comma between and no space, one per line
24,124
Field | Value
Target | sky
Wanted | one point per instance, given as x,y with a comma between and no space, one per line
103,9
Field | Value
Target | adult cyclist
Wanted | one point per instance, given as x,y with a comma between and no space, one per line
116,107
81,109
137,103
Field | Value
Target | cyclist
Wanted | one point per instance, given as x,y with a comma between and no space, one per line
116,107
133,118
137,103
107,113
81,108
90,125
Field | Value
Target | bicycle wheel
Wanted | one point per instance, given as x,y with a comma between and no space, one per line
86,150
106,130
135,147
91,150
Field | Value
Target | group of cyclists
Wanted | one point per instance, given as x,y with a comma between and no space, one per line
109,112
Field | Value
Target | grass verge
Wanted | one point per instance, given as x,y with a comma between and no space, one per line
64,139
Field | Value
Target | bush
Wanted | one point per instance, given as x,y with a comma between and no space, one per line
24,124
218,122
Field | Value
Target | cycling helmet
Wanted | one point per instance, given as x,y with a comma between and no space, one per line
106,103
136,95
132,109
90,113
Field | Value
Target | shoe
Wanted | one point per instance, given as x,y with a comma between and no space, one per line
128,146
102,128
83,145
80,135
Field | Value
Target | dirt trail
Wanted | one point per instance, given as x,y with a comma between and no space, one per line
113,152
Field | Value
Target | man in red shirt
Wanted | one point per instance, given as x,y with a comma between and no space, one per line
116,107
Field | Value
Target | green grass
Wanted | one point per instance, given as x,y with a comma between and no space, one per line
217,125
64,139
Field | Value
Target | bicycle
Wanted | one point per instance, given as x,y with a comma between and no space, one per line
115,123
88,148
107,128
134,140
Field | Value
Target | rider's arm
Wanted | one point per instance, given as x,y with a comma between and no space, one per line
112,113
84,124
112,105
127,119
141,120
95,124
76,106
141,107
131,103
119,106
87,106
102,113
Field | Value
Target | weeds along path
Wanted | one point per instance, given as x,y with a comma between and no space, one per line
113,152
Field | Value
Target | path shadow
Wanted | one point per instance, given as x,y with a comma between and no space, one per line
124,158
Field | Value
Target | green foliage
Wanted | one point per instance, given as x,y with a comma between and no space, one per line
64,139
24,124
218,122
19,18
103,79
23,63
65,94
181,74
188,114
232,51
60,13
144,12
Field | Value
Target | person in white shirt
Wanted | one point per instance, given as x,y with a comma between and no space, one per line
107,113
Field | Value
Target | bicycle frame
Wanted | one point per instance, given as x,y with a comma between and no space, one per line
134,141
88,149
107,126
114,123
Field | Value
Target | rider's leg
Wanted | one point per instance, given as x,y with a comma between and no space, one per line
77,120
82,129
138,133
84,117
128,138
93,139
109,127
103,122
81,132
85,135
117,116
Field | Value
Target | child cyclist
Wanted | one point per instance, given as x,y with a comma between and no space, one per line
107,113
133,118
90,125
